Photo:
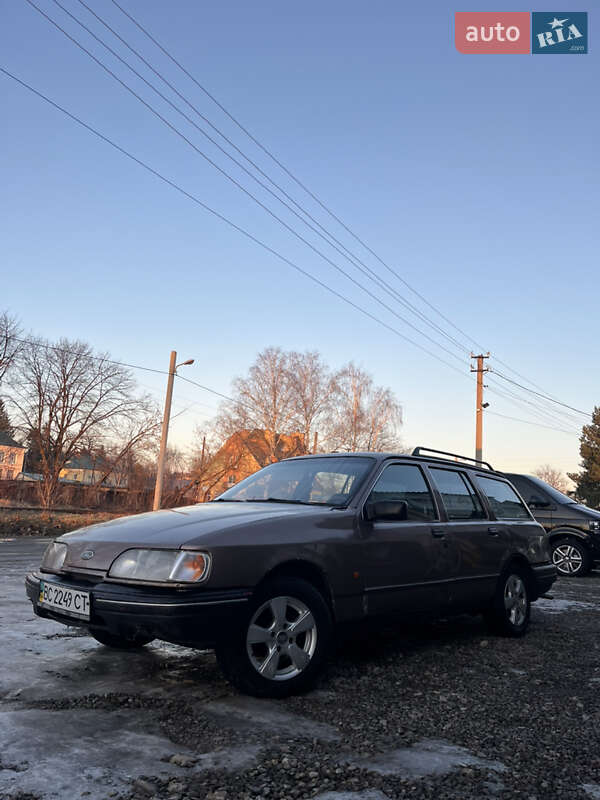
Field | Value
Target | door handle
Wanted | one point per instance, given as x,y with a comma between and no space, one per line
439,533
493,530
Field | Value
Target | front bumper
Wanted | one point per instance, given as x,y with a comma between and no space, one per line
182,616
544,575
594,540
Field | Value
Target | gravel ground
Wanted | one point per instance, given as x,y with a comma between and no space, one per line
436,711
531,705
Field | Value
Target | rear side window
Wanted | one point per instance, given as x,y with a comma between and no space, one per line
405,482
503,499
522,484
458,495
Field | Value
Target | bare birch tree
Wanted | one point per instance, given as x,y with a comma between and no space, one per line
264,399
65,396
313,387
364,416
293,392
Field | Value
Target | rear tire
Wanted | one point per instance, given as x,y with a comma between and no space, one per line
511,608
570,557
120,642
281,642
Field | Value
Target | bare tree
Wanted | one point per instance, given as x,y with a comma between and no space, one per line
66,396
264,399
204,445
552,476
10,345
126,437
313,388
364,416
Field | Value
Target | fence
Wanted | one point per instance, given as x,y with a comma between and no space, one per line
24,494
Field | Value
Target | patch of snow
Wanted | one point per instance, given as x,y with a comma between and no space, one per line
559,606
427,757
58,754
248,711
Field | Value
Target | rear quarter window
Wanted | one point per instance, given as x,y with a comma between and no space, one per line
505,502
458,495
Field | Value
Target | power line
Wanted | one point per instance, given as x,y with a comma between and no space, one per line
229,222
528,422
363,288
243,189
229,177
323,232
282,166
47,346
212,391
303,186
539,394
552,415
90,357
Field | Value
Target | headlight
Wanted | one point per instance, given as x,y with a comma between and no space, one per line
54,557
594,525
161,566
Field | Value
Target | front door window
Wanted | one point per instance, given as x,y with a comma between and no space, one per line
405,482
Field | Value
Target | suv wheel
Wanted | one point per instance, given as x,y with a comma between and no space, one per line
120,642
509,615
570,557
282,641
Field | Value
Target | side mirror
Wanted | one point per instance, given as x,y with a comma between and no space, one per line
535,501
391,510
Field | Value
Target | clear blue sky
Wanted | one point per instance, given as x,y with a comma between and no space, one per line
476,177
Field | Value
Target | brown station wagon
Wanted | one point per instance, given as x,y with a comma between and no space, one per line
266,571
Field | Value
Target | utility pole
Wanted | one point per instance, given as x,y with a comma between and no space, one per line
315,441
479,405
165,428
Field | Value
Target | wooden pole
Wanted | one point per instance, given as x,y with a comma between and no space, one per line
164,435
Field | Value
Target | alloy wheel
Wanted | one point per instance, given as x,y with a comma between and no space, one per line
567,559
281,638
515,600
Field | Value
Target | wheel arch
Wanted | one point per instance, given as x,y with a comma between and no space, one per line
519,560
301,568
577,539
561,533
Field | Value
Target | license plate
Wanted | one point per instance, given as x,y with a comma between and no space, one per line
68,601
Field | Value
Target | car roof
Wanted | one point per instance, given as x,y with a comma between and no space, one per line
384,456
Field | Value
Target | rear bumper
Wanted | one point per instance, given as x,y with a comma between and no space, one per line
188,616
544,575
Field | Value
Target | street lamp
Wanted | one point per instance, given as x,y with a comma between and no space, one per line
165,428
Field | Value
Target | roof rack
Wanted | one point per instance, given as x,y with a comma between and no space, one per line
419,450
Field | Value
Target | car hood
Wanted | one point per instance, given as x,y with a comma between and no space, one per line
191,527
579,510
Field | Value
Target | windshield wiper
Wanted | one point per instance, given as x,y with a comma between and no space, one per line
283,500
226,500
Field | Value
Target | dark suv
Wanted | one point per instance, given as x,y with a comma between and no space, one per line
574,529
264,572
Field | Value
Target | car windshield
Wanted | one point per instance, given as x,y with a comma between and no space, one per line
557,496
315,481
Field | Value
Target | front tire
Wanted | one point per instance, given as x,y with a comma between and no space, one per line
511,609
119,642
282,641
570,557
